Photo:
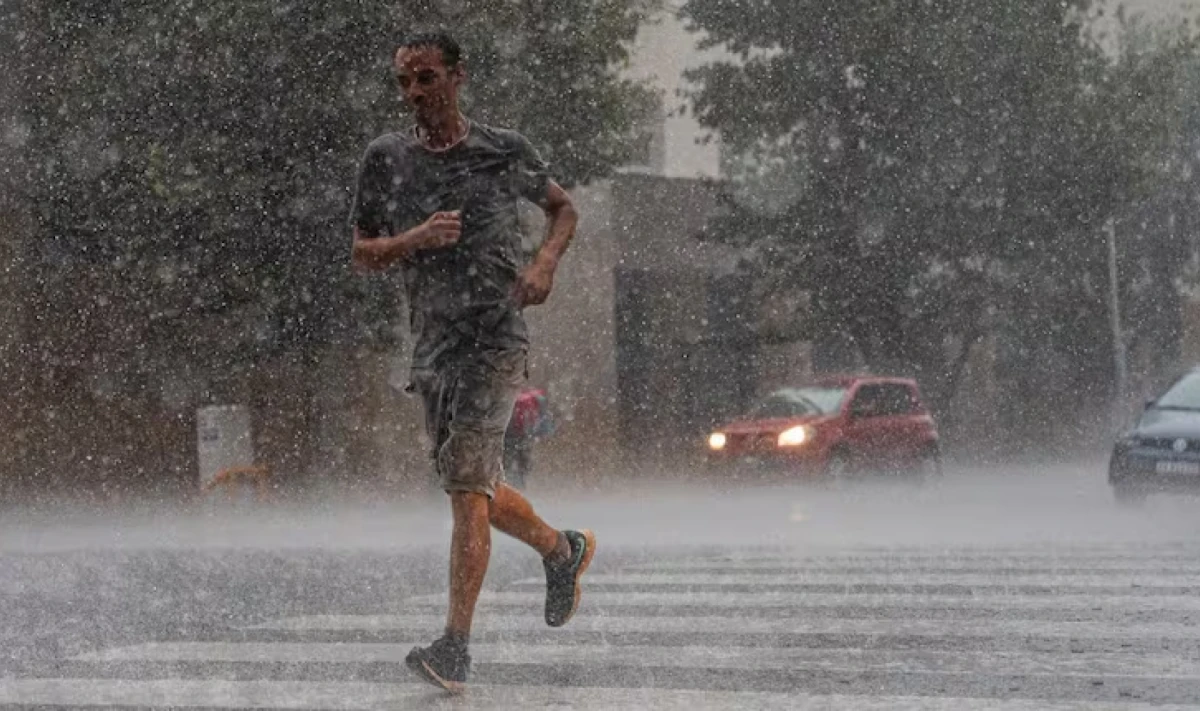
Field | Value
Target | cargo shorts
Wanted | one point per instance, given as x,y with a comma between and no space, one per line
468,403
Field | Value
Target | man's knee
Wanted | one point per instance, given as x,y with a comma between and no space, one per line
470,506
500,506
509,502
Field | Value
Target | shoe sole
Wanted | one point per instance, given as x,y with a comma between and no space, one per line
588,551
426,672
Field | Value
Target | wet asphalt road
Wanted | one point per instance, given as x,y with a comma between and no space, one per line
1003,588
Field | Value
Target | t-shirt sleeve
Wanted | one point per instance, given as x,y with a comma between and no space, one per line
369,212
532,173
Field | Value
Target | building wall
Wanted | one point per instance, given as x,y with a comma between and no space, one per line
572,343
14,225
657,219
663,51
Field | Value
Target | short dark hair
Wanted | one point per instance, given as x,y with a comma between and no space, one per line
451,51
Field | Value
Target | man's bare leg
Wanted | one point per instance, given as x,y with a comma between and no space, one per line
512,513
470,549
565,554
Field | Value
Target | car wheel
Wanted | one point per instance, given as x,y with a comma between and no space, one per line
928,467
716,470
1129,496
838,468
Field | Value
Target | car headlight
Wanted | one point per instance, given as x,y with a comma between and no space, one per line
795,436
1128,441
716,440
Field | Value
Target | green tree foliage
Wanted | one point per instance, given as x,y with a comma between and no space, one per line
199,156
924,169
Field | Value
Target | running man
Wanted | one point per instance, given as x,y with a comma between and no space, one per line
441,201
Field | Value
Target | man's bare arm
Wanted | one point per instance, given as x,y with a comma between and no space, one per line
560,227
376,253
537,280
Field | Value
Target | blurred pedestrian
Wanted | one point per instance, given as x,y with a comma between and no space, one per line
441,200
530,421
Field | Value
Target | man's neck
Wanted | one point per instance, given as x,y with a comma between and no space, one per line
444,131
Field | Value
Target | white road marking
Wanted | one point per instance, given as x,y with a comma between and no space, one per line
1025,663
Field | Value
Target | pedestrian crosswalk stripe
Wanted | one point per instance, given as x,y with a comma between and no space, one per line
615,600
1104,630
934,564
353,696
888,578
1161,666
746,626
1025,551
996,573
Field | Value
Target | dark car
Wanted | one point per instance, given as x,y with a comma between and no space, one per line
834,427
1162,452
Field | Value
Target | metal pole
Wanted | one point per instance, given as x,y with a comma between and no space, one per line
1114,314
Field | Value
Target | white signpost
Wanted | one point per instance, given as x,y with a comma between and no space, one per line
223,440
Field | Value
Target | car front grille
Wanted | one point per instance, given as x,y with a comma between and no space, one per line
1168,444
751,442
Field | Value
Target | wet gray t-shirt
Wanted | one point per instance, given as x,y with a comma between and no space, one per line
460,297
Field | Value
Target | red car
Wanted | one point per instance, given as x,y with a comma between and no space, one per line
835,427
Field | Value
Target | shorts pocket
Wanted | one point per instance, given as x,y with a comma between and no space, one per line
512,366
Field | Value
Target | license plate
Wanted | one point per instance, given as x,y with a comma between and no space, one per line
1189,468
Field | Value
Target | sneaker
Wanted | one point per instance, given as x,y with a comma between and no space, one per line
562,579
442,663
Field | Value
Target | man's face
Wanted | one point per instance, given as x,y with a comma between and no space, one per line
427,84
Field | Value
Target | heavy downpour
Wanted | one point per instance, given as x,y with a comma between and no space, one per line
600,354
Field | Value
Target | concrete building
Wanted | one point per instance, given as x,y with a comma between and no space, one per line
14,224
663,52
602,343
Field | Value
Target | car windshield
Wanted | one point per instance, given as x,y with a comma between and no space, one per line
797,402
1183,395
